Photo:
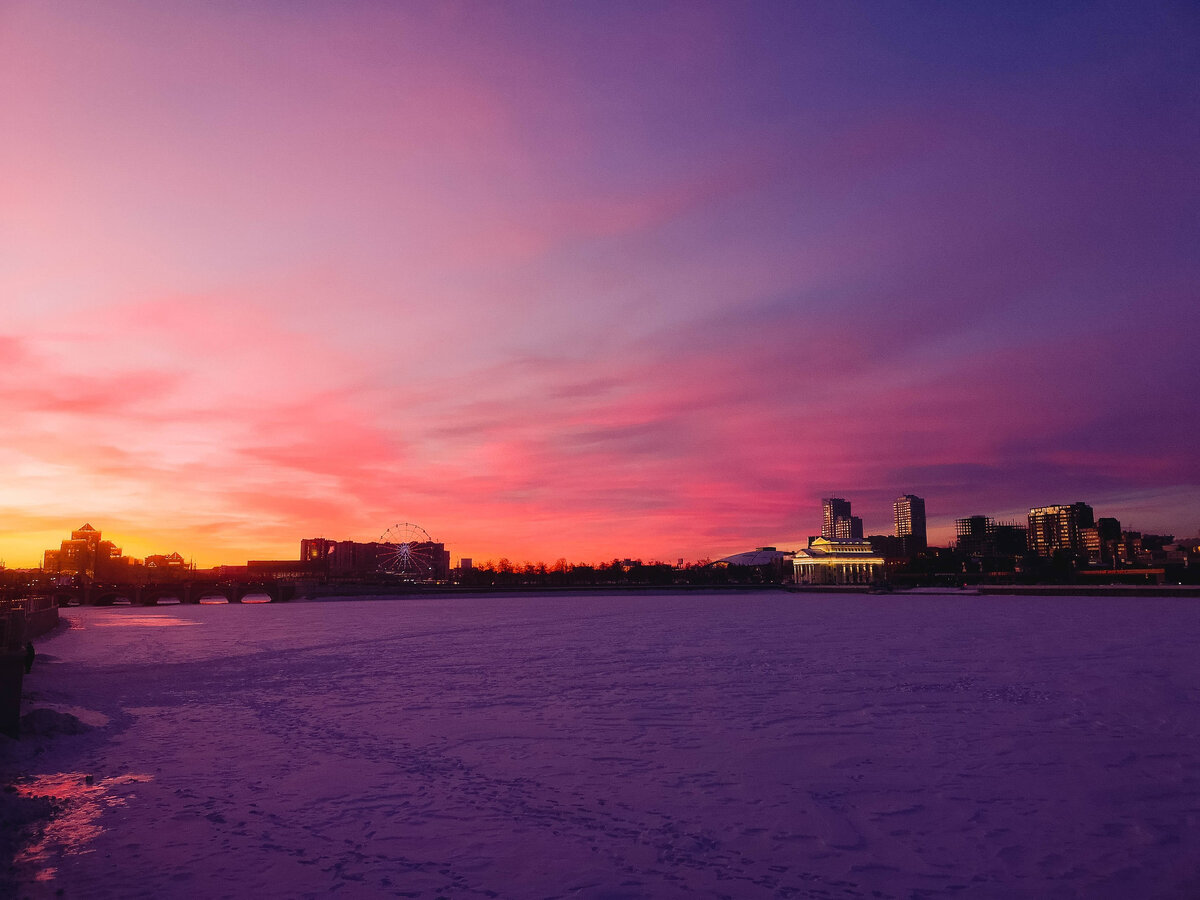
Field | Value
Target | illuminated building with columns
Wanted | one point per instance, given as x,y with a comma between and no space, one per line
835,561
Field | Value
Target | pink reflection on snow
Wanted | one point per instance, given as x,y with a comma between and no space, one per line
82,803
146,621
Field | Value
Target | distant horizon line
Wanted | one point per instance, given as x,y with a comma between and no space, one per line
493,558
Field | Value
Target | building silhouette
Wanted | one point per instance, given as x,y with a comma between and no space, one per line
838,523
887,545
315,550
1060,528
87,554
165,566
1102,542
358,559
975,535
981,537
910,524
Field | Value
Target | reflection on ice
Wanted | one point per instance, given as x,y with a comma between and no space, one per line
149,620
78,823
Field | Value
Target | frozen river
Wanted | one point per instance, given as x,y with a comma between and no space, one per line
664,746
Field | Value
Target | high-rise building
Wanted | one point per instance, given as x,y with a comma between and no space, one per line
1053,528
1103,541
1083,514
1089,540
1011,539
981,536
837,521
833,509
910,524
975,534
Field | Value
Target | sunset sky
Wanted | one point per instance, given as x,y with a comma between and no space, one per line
592,280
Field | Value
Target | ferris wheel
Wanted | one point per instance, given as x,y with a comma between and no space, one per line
406,550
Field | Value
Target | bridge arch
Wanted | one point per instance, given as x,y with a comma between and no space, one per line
110,596
210,594
242,591
152,594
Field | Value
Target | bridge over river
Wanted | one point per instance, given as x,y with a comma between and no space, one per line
229,591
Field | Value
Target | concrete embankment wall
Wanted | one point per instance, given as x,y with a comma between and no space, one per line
12,672
41,616
20,621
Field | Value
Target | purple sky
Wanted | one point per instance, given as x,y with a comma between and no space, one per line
592,279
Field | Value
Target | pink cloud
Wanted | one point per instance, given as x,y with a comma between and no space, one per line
571,283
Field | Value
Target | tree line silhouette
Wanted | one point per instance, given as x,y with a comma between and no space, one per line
505,573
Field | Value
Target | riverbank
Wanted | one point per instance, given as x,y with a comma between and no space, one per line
25,815
365,591
21,621
1092,590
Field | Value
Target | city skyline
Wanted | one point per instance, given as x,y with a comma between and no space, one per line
1050,528
818,525
585,281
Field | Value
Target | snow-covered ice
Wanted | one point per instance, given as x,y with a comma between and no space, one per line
666,746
